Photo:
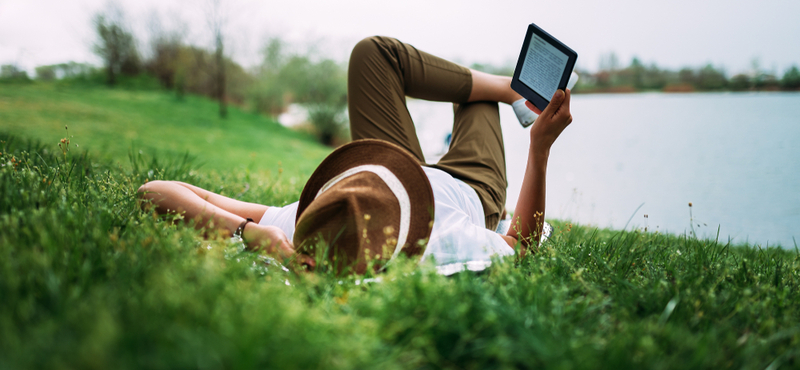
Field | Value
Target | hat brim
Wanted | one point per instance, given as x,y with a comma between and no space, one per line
401,163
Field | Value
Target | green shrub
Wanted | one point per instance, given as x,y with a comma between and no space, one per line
328,120
12,73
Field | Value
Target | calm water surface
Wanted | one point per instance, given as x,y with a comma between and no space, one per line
735,157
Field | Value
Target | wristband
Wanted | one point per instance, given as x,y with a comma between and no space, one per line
240,230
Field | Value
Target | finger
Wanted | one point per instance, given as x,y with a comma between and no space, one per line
555,103
301,263
567,99
566,104
286,249
564,109
307,262
533,107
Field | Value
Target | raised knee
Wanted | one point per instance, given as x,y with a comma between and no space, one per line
368,43
368,46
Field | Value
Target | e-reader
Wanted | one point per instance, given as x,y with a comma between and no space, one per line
544,66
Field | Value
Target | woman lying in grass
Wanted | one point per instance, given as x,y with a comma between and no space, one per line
375,197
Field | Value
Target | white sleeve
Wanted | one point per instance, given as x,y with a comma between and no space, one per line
282,218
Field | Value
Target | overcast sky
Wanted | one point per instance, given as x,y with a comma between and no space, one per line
672,34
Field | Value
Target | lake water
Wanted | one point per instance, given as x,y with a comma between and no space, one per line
735,157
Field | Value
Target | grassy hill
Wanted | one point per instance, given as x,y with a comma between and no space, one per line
111,123
88,280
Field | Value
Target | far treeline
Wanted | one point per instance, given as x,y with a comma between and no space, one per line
637,77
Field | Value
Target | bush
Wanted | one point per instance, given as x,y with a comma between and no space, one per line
328,121
69,72
12,73
320,84
764,81
46,73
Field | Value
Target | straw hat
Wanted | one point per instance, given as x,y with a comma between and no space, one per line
368,200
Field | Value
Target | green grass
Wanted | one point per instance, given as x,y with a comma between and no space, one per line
111,123
87,280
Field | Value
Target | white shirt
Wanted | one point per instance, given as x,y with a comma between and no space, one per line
459,239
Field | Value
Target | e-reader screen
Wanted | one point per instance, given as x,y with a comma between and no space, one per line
544,66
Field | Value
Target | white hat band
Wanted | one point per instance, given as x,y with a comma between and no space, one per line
394,185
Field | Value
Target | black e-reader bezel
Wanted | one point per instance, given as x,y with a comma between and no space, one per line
539,101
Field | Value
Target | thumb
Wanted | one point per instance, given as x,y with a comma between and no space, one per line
555,103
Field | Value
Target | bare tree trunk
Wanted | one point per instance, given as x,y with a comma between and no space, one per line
223,106
111,79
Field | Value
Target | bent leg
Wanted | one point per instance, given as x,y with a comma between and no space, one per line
477,156
489,87
382,72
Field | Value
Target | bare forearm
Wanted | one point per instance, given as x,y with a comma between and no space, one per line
210,210
529,212
179,198
526,226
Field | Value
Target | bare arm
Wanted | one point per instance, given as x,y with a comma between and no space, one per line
225,214
528,218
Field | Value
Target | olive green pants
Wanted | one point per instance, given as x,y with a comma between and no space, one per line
383,71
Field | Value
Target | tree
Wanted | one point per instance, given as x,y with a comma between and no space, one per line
791,79
609,62
116,46
166,49
637,71
654,78
687,76
164,61
269,95
740,82
710,78
216,19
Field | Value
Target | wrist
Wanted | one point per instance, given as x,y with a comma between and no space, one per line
252,236
239,231
539,152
